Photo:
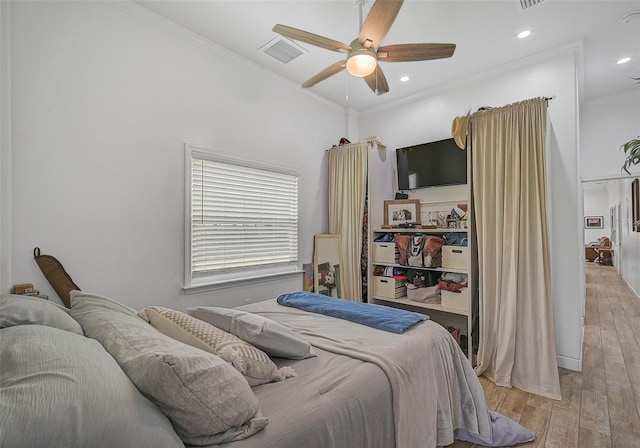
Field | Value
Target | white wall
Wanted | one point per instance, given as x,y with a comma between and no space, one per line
429,118
103,99
5,139
605,124
596,203
628,242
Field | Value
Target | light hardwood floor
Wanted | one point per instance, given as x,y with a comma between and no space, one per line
600,406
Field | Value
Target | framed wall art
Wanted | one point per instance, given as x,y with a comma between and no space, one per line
593,222
399,212
635,205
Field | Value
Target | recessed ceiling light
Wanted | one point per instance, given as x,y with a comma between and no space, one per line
404,78
623,61
523,34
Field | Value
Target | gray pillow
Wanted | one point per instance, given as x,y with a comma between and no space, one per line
206,399
26,310
268,335
60,389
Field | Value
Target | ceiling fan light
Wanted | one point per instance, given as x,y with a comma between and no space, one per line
361,62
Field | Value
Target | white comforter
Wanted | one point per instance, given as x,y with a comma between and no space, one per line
435,390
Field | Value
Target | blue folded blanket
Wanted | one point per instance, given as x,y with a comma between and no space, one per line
376,316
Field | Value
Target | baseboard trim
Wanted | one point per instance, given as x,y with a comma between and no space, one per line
631,288
569,363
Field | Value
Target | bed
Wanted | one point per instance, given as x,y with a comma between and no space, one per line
103,374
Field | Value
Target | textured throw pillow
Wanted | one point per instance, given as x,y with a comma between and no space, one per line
206,399
266,334
25,310
252,362
60,389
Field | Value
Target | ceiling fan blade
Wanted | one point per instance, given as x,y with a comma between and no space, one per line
378,22
377,81
310,38
415,52
324,74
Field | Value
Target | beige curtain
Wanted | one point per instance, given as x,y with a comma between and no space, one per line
517,337
347,190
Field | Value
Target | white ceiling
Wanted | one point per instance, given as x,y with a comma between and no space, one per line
484,32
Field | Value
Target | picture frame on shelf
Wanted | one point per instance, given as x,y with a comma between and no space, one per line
399,212
593,222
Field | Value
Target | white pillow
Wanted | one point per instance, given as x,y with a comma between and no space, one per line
266,334
253,363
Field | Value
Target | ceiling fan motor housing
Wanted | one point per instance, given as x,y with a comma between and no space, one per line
361,61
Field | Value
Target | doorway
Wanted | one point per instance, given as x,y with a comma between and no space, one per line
607,214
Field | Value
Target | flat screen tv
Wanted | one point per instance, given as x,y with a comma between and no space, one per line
431,164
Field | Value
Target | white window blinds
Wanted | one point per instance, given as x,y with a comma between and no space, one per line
243,219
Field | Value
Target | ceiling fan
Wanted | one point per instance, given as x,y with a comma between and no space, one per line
364,53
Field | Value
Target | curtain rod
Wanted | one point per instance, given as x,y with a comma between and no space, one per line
546,98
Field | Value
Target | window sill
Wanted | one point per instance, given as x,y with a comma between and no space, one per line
213,286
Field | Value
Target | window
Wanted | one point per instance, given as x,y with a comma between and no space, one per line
241,219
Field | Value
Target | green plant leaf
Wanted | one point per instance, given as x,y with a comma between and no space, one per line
632,152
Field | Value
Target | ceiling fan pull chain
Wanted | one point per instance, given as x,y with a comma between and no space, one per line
346,89
376,92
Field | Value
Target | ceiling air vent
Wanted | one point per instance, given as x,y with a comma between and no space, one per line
282,49
529,3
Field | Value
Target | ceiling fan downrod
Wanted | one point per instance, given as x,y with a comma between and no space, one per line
360,21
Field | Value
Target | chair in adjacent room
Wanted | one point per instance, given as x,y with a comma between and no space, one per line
598,250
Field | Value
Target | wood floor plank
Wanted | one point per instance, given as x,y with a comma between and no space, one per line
570,385
594,380
594,412
537,420
563,428
624,435
593,356
634,323
592,439
636,395
633,370
630,352
592,337
493,394
616,373
610,341
513,402
625,332
622,405
540,402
